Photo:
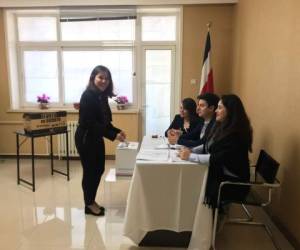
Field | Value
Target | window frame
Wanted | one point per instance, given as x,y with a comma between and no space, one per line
136,46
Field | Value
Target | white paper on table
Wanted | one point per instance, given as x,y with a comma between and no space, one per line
153,155
176,146
162,146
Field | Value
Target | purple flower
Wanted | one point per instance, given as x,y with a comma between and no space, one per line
43,98
121,99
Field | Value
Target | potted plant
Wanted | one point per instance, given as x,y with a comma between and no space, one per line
121,102
43,101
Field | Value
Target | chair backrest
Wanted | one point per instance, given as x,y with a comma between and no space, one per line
266,167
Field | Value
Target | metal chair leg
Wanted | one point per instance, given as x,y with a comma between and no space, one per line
248,214
249,221
213,244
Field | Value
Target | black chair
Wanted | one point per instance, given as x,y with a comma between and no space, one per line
265,177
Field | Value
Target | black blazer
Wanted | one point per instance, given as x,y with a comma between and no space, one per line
231,153
192,139
178,123
95,115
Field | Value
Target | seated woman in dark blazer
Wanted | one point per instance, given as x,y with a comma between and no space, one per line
225,151
186,120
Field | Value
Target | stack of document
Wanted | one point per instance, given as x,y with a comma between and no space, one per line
153,155
162,146
176,146
168,146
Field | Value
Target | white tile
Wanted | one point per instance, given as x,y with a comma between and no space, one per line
52,218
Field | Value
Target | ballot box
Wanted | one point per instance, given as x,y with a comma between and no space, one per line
125,157
45,122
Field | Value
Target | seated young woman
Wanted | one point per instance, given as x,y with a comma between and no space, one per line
225,151
185,121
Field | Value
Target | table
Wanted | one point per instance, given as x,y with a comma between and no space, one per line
32,137
168,195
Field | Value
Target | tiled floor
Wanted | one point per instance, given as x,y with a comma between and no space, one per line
52,218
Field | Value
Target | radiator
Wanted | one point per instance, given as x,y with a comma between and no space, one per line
62,148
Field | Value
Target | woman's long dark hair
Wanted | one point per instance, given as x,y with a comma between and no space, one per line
236,121
190,106
109,91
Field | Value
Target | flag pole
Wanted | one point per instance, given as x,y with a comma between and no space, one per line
208,25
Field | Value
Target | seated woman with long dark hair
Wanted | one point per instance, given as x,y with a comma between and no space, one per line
185,121
225,151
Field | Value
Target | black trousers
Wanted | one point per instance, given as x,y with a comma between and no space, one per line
92,156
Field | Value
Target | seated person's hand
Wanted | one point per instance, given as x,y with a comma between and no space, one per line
170,132
184,153
177,132
173,136
172,139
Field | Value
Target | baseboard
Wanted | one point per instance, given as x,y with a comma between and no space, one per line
289,236
110,157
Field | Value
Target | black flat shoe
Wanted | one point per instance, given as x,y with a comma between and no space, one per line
87,210
100,207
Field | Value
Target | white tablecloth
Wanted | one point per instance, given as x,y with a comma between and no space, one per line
168,195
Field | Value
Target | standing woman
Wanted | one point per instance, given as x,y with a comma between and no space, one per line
226,151
95,123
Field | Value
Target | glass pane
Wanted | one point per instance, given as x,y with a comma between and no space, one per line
75,31
117,30
98,30
78,66
37,28
41,75
158,90
159,28
120,65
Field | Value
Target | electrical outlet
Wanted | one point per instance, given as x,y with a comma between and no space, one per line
193,81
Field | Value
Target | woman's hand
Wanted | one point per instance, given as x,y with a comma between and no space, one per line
173,136
172,139
121,136
170,132
174,132
184,153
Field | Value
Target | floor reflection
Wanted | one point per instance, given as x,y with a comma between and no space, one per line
52,218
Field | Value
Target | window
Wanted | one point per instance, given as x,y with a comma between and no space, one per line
77,74
95,30
53,51
159,28
40,74
37,29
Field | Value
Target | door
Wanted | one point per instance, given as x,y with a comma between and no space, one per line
158,88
